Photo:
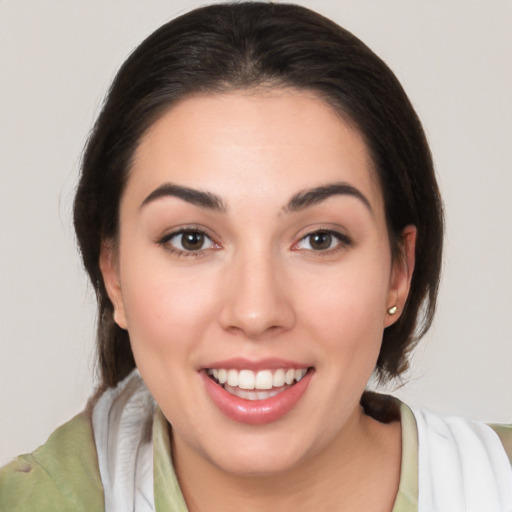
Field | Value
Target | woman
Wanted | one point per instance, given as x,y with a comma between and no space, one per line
259,216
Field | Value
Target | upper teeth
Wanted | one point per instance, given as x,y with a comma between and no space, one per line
264,379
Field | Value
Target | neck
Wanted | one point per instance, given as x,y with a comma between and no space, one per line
365,455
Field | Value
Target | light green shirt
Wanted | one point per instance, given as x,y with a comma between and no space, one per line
63,475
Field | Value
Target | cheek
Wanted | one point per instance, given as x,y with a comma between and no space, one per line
166,309
347,309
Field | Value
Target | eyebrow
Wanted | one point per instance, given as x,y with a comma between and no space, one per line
300,201
312,196
190,195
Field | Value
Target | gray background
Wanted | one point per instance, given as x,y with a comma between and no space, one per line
57,58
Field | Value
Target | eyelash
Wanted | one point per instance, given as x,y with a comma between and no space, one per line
341,242
340,239
193,253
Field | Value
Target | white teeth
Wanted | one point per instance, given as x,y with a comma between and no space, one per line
232,378
289,377
246,379
299,374
278,379
251,395
262,380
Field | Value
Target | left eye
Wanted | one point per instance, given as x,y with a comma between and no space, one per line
320,241
190,240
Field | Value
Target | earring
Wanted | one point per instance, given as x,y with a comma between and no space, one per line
393,310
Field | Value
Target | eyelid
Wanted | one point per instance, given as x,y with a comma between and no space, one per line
165,239
343,240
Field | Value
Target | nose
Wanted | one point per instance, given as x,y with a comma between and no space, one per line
256,299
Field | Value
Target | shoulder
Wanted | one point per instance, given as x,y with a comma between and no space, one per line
464,433
461,461
505,434
61,475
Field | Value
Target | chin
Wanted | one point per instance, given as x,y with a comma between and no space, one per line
265,452
259,464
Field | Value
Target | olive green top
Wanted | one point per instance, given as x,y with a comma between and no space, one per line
63,474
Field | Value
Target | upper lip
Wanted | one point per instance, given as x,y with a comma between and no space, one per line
239,363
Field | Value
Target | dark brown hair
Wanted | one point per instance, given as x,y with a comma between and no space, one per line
244,45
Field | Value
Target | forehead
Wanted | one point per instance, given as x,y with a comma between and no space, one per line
253,142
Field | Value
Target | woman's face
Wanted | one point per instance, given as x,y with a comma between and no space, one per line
253,248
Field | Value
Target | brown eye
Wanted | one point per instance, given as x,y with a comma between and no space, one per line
192,241
320,241
323,241
188,241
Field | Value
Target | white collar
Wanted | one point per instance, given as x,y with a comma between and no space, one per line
122,421
462,466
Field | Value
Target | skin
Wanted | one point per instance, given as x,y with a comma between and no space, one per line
262,290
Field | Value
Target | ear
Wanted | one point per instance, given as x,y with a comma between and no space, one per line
401,275
110,271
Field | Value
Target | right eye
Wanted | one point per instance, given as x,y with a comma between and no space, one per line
188,242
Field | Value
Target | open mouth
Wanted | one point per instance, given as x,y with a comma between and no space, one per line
260,385
256,396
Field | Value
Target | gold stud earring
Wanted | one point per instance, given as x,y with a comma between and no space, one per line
393,310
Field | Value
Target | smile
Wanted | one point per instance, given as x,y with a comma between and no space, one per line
260,385
258,396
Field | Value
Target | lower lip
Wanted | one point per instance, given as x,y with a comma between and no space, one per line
255,412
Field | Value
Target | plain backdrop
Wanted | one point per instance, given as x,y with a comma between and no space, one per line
57,58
